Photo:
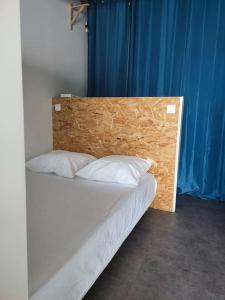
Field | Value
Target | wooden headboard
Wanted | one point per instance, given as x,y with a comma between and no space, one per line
130,126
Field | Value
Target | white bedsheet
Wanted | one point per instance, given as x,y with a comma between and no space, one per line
75,227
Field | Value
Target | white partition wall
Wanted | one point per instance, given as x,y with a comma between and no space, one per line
13,244
54,61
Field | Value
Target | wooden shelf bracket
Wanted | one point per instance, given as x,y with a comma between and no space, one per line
75,10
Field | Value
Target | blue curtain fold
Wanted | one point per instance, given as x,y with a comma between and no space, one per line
168,48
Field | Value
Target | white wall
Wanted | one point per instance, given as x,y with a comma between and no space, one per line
13,248
54,61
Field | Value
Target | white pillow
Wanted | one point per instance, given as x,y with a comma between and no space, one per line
116,168
62,163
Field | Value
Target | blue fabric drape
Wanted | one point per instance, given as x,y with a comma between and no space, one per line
109,26
169,48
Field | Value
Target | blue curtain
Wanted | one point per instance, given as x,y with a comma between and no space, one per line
169,48
109,34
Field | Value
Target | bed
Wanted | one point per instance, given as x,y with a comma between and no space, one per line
75,227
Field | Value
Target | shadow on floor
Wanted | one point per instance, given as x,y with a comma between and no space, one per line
170,256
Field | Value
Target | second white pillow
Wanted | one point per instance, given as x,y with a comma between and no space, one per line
62,163
116,168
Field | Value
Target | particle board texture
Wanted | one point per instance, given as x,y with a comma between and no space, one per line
124,126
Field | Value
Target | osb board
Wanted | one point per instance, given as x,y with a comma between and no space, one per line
130,126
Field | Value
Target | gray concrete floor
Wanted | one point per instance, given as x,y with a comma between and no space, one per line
170,256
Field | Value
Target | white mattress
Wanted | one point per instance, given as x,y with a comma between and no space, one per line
75,227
